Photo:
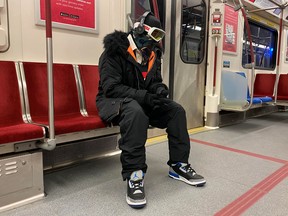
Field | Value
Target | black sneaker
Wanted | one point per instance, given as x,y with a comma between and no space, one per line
135,190
185,173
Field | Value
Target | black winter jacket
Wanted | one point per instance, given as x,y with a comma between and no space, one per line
121,77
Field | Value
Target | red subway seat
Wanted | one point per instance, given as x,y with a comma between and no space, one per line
12,126
68,118
264,85
282,93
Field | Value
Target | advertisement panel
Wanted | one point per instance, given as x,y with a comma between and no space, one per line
230,30
79,15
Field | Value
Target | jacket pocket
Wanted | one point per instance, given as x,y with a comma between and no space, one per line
109,109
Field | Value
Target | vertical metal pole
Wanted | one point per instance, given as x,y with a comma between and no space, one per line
51,143
251,54
172,50
278,57
215,65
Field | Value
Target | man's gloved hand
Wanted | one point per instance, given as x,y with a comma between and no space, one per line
155,102
162,92
152,100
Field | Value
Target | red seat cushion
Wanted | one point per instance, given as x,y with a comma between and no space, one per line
72,123
20,132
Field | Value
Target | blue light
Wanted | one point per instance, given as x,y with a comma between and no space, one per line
271,49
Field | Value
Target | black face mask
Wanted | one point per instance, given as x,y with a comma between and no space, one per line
143,41
146,52
145,45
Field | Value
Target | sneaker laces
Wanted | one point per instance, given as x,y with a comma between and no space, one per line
189,169
137,185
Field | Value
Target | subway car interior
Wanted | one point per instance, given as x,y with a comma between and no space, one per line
224,61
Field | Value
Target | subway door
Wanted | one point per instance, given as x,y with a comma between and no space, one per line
185,66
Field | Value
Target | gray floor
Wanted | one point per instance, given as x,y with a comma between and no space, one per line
222,156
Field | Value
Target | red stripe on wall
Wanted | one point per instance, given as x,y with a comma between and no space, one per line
240,151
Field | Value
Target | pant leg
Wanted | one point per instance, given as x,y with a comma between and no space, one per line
133,124
173,117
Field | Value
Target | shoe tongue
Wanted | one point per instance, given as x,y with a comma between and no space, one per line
179,163
183,164
137,175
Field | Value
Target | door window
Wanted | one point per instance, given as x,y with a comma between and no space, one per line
193,30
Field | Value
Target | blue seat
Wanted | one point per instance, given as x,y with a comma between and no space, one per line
265,99
256,100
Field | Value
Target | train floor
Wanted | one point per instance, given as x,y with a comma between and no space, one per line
245,165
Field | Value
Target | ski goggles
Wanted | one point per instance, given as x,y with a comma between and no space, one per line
156,34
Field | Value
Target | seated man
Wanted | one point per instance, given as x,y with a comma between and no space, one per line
132,95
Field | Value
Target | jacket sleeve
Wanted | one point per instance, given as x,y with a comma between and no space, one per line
111,81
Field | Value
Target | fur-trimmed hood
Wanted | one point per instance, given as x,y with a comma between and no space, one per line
116,43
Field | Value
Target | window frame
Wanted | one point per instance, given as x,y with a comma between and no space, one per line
275,48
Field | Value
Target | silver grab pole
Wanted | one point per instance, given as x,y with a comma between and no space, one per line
252,64
50,144
278,58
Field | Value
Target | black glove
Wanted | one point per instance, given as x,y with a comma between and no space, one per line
152,100
165,104
162,92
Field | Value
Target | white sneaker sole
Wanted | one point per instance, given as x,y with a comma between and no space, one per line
199,182
135,203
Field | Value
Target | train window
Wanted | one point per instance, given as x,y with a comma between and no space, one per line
264,41
192,48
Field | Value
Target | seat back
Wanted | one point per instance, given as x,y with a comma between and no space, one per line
248,91
65,89
282,93
10,103
264,85
90,81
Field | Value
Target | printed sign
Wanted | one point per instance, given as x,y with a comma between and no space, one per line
77,15
226,64
230,30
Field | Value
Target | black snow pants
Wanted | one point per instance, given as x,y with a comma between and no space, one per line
134,123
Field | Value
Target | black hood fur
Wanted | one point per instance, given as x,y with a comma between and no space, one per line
116,43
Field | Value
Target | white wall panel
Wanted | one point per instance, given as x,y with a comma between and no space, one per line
28,41
15,50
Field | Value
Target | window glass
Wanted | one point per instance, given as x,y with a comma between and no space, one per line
192,47
264,41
